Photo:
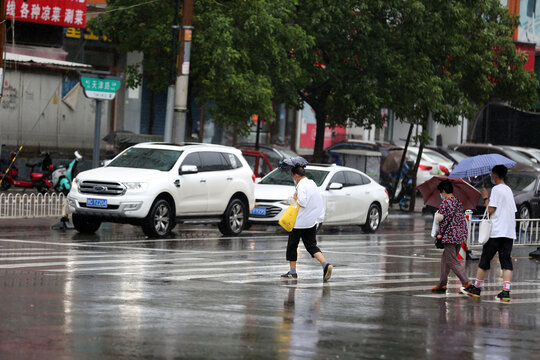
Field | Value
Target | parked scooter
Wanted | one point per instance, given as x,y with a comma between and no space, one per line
62,177
38,180
41,179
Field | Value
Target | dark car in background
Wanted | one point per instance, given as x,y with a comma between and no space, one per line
453,155
525,184
274,153
330,156
480,149
259,161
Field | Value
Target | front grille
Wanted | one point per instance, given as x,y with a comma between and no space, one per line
271,211
101,188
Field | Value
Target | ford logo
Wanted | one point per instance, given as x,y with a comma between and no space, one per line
100,188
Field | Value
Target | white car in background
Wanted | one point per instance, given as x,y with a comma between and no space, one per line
350,197
431,163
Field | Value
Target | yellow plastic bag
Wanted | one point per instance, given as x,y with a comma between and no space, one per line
288,218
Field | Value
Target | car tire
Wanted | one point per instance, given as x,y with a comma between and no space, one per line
85,224
234,218
373,219
523,213
5,185
160,220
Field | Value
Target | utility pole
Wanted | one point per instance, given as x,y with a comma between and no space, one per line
167,137
2,43
182,79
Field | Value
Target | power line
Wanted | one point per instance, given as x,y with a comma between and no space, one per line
129,7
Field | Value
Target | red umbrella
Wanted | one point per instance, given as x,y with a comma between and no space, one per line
463,191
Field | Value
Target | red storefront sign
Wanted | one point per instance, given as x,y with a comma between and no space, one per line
53,12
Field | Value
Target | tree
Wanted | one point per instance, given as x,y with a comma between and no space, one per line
348,67
458,55
241,56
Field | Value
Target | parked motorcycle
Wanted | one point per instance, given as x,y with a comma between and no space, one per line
62,177
38,180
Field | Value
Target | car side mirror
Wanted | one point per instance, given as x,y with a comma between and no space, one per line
335,186
188,169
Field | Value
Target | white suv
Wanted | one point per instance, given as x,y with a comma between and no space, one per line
156,185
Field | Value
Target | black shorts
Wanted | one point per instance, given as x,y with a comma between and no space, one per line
501,245
309,238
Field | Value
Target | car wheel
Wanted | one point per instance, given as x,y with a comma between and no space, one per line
524,213
160,220
234,218
5,185
373,219
85,224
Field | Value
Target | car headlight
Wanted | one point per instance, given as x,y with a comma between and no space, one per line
134,185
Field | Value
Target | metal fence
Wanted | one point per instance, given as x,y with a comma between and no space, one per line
527,232
17,206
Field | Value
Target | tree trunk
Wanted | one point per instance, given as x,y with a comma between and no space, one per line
402,161
416,164
320,115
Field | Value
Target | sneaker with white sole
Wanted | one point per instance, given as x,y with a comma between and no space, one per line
327,273
288,275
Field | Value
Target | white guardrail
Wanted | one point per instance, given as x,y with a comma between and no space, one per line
527,232
18,206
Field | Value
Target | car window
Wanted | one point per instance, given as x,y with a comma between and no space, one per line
520,182
516,156
264,167
280,177
251,161
212,161
458,156
355,179
147,158
232,161
339,177
193,159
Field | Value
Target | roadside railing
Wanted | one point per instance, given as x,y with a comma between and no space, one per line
17,206
527,232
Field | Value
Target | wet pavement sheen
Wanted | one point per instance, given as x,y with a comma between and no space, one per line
119,295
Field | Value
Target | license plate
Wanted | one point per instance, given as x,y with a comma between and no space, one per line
99,203
258,211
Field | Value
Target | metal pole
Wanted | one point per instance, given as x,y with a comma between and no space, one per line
167,136
182,80
97,135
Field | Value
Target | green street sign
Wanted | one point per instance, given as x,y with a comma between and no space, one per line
101,89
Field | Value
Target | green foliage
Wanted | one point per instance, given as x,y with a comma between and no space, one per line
145,28
347,58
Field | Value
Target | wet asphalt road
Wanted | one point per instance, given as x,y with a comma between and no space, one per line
118,295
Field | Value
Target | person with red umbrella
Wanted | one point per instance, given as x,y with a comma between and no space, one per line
453,230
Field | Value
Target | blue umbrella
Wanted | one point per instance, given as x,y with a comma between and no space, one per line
480,165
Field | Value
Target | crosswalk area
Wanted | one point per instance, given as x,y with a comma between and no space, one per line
390,268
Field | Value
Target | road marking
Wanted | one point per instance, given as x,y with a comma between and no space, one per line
318,276
164,266
454,287
382,255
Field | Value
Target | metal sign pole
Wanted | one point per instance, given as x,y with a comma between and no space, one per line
97,135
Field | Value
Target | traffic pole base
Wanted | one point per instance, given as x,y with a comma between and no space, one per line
471,256
535,254
63,225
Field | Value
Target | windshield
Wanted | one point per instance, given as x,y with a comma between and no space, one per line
145,158
430,155
520,182
457,155
514,155
288,153
280,177
515,181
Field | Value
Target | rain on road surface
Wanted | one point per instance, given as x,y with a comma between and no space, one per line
118,295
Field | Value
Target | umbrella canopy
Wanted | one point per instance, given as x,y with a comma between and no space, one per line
287,164
480,165
463,191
